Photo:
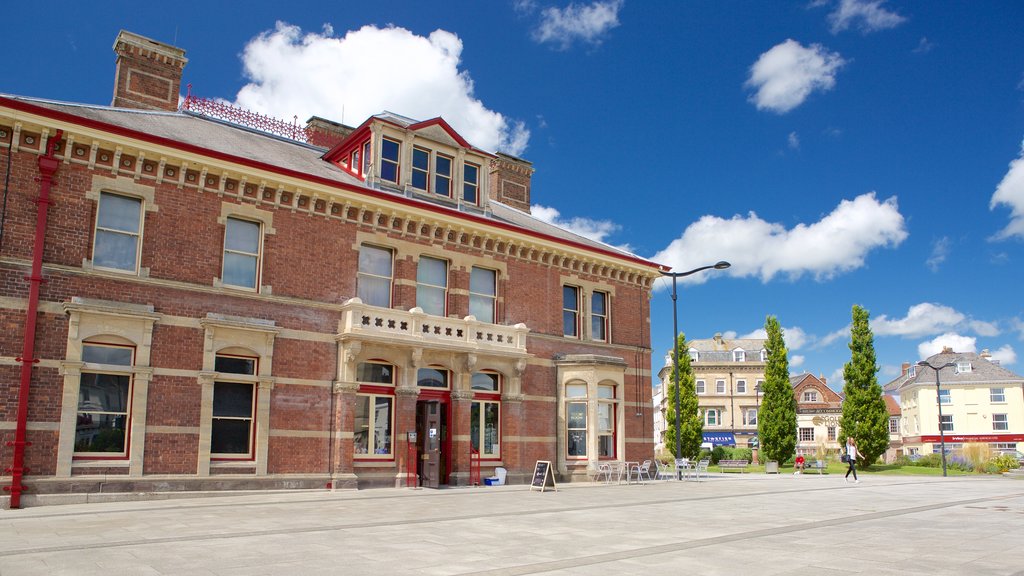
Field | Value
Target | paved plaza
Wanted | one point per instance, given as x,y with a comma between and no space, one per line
727,524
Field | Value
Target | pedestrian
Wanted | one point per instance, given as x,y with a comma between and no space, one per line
851,458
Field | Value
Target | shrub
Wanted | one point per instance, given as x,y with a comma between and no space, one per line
929,461
958,462
1004,462
719,453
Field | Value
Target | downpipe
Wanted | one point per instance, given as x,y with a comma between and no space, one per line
48,165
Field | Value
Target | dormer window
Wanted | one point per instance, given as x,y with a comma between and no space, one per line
738,355
694,355
471,183
420,168
389,160
963,367
764,355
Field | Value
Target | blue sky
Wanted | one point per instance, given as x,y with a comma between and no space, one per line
837,152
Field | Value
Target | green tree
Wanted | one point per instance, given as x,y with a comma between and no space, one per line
691,424
864,414
776,420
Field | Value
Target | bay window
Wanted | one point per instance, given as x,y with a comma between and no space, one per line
389,160
471,183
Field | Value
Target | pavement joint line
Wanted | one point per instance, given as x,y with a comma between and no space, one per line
200,503
439,520
542,567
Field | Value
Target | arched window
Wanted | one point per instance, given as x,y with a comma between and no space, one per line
373,423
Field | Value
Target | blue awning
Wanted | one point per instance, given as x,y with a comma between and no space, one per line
720,438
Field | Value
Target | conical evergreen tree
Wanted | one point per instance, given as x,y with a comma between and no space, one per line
864,414
776,420
691,423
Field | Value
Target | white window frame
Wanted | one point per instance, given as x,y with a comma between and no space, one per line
694,355
396,162
600,320
963,367
712,414
741,386
806,434
137,235
255,256
477,298
1000,423
700,387
372,427
473,185
244,379
720,387
810,396
894,424
119,370
997,397
390,278
739,355
945,396
424,286
750,417
573,313
946,423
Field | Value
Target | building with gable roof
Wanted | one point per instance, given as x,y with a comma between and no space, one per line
195,303
981,402
818,409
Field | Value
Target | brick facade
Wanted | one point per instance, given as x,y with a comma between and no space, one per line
300,322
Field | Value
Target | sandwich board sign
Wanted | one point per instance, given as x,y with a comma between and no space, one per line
543,476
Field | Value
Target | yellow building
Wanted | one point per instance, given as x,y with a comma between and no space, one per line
979,402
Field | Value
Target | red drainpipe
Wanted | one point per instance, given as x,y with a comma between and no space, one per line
48,164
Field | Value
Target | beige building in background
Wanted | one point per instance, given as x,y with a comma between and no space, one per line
982,402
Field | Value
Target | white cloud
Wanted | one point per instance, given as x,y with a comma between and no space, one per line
793,140
837,243
585,22
597,230
921,320
796,360
867,15
1017,325
729,335
785,76
1010,192
295,73
940,251
927,318
842,333
794,337
955,341
1005,355
836,381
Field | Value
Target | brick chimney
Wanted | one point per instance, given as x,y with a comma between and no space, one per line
905,368
148,75
510,181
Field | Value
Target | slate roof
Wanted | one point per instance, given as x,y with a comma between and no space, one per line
982,372
727,344
248,144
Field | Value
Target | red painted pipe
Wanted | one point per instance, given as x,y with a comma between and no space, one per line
48,164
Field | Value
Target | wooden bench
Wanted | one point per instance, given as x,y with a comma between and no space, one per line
739,465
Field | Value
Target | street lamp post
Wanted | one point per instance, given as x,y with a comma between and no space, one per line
722,265
938,401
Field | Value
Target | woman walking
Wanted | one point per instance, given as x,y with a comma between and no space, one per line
851,459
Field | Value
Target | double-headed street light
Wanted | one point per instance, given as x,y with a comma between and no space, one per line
675,335
938,401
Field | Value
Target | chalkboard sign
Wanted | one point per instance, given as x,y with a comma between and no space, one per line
543,476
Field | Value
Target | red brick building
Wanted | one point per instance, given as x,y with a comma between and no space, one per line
188,303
